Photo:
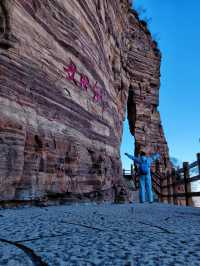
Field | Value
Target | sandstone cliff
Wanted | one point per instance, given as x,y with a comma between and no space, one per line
68,71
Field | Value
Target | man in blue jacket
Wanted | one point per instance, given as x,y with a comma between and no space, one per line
144,165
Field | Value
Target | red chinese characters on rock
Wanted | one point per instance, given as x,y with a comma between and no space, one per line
84,83
71,71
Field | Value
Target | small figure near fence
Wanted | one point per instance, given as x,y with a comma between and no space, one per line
144,165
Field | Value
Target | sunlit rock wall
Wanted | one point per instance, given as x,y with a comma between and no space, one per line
68,69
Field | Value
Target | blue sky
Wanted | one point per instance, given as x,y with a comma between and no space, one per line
176,25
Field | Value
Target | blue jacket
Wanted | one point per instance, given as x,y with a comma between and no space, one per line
149,159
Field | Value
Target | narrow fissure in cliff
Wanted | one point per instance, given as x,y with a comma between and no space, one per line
131,114
128,139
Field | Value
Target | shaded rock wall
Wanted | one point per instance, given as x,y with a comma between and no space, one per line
68,70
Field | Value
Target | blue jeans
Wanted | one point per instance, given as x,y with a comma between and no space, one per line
145,182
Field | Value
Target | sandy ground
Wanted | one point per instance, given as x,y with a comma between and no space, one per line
100,234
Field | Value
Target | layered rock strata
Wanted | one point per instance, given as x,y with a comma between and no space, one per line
68,71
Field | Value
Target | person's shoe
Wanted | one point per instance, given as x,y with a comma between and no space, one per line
150,201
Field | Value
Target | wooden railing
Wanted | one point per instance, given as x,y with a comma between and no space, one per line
175,186
127,172
130,175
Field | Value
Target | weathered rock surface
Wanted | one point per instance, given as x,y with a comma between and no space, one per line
58,131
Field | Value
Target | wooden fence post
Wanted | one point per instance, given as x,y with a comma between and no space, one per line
198,161
133,176
168,187
132,170
171,188
161,190
174,184
186,172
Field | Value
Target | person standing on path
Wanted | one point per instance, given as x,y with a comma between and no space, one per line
144,164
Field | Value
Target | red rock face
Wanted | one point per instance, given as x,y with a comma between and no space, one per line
143,66
68,70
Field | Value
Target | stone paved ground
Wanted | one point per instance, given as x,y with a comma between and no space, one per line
105,234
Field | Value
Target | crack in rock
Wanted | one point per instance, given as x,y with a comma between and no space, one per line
173,217
37,260
156,226
64,234
116,230
30,252
83,225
